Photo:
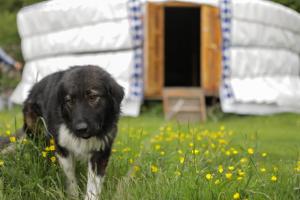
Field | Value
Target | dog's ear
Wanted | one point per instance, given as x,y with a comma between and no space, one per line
116,92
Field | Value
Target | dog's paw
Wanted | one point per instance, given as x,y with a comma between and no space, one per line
91,196
73,191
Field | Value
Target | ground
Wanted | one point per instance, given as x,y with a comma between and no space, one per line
233,157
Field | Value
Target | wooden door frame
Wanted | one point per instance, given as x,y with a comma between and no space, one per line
154,48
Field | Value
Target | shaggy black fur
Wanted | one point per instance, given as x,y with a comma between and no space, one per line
84,98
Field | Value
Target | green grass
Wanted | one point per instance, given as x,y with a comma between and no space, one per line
153,159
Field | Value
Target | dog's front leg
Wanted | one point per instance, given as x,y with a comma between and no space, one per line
67,163
96,172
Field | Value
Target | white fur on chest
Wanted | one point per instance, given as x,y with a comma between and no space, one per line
81,148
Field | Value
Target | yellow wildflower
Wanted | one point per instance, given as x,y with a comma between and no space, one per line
228,153
231,168
217,182
7,132
243,160
181,160
52,142
114,150
191,144
195,151
208,176
162,153
136,168
220,169
264,154
130,160
127,149
154,169
44,154
263,169
177,173
157,147
52,148
235,152
222,128
12,139
250,151
1,163
53,159
206,153
222,141
241,173
239,178
228,175
236,195
274,178
180,151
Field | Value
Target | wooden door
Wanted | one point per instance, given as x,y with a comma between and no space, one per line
154,50
210,50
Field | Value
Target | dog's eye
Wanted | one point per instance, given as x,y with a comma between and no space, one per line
68,100
93,98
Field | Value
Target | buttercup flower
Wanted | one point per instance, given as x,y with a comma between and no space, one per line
208,177
263,169
12,139
220,169
44,154
177,173
274,178
236,195
181,160
228,175
264,154
52,148
250,151
53,159
154,169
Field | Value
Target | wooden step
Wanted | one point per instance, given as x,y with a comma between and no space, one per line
185,104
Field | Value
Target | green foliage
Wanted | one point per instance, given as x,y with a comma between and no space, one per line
9,38
293,4
152,159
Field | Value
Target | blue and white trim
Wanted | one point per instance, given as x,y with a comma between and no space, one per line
226,92
135,10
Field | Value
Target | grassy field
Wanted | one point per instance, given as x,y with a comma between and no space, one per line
236,157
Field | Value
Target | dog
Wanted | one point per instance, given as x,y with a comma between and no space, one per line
80,107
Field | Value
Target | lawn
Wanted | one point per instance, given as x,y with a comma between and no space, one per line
234,157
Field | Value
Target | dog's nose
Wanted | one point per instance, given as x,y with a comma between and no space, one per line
81,127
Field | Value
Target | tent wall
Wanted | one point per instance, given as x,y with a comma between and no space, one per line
59,34
261,64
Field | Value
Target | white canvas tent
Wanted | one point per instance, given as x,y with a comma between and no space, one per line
261,63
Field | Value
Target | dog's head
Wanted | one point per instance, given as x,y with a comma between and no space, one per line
90,101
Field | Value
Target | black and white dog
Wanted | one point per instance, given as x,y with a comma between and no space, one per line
81,108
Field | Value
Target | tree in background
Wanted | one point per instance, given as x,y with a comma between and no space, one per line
293,4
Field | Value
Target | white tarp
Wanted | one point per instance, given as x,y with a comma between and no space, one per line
105,36
43,17
59,34
261,63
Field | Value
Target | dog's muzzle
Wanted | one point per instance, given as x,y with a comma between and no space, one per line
82,130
